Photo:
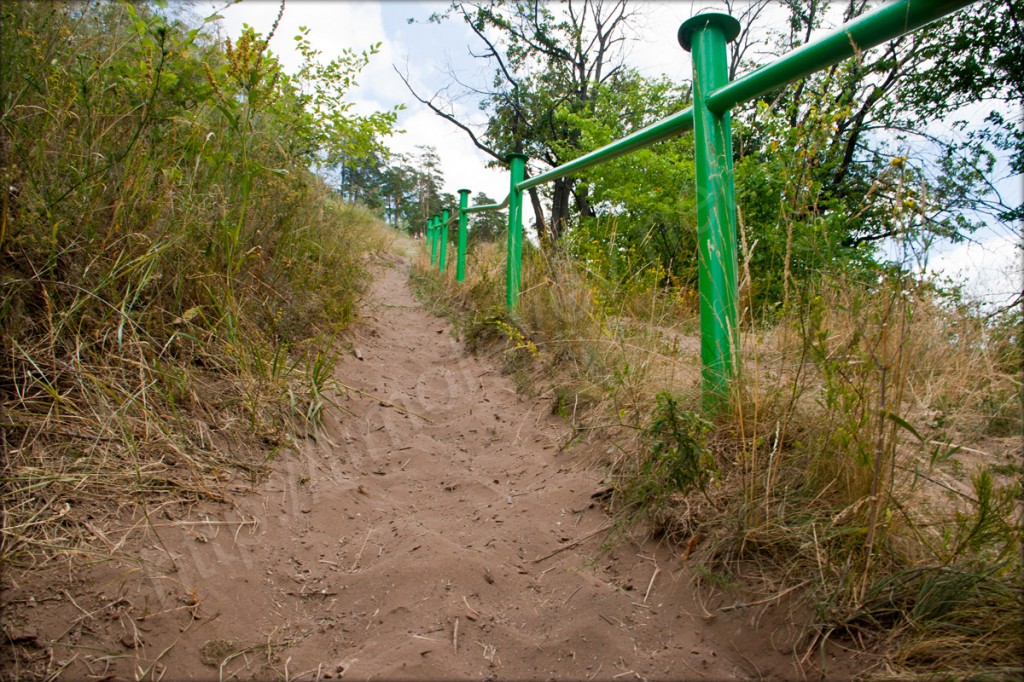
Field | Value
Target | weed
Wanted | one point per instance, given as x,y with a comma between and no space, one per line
677,459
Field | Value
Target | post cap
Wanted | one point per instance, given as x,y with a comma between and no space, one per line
515,155
463,191
729,26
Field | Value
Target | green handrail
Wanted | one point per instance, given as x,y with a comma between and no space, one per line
872,29
706,35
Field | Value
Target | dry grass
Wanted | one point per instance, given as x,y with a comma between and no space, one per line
163,333
866,453
133,417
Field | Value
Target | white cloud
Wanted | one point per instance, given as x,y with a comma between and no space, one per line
991,270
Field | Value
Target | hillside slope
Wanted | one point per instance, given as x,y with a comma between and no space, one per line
435,529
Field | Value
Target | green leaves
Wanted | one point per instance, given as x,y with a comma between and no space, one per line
677,459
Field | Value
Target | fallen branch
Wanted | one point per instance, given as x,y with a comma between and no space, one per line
780,595
651,584
575,542
385,402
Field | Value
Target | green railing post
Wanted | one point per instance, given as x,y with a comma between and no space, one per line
444,240
705,36
514,260
433,240
460,254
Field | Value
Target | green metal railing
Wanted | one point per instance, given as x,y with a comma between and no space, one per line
705,36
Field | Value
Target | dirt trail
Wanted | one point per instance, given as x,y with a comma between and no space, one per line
435,531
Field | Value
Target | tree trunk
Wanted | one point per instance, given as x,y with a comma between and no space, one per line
559,207
582,194
538,210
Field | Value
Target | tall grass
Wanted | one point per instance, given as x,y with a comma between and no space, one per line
871,454
171,272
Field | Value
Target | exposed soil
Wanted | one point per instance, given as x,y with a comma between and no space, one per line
436,529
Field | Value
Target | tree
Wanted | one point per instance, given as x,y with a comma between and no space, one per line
544,63
845,160
642,203
361,180
486,226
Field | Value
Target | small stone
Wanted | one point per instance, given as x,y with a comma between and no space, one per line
130,641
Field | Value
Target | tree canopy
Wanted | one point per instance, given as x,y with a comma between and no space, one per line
828,169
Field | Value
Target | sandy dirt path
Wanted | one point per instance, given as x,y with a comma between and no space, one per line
436,530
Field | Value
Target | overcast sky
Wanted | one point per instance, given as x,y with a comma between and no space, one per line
426,51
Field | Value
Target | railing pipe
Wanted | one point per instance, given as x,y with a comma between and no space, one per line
489,207
514,259
706,35
460,254
668,127
887,22
443,231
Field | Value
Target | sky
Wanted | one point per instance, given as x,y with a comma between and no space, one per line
991,266
425,51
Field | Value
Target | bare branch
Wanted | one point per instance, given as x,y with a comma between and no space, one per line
449,117
490,48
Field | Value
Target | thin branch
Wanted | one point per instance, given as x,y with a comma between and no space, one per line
448,117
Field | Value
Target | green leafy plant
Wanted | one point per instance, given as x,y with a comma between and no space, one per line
676,458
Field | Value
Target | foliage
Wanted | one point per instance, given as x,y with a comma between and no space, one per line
827,170
545,60
171,271
677,459
850,157
973,56
649,215
486,226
